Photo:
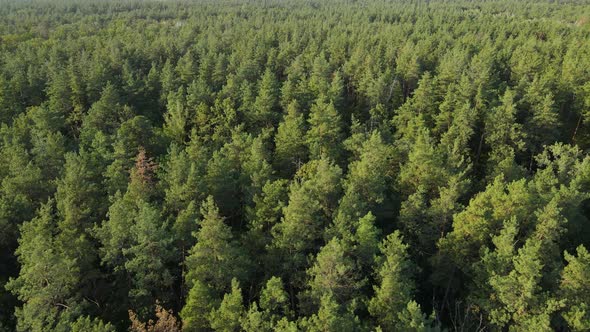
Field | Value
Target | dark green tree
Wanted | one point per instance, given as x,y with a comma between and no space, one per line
229,315
48,280
574,289
216,257
290,147
324,136
264,113
392,301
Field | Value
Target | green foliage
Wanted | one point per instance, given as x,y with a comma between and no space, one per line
254,320
104,116
267,212
575,290
163,151
176,118
312,201
85,324
392,304
325,131
196,311
265,105
504,136
290,150
147,258
516,277
48,279
274,305
331,317
273,298
216,258
333,273
368,183
230,313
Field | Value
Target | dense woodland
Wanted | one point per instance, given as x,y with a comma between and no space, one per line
294,165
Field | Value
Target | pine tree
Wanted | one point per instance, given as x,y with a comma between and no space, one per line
147,259
182,176
516,276
274,300
266,213
322,179
104,116
168,79
366,241
48,150
334,272
296,87
336,92
367,184
505,138
484,215
85,324
319,81
456,141
8,104
225,178
135,139
290,148
265,106
198,93
299,231
186,68
396,287
119,245
114,234
80,201
522,304
215,259
228,317
254,320
543,124
408,67
150,95
331,317
196,312
48,280
575,290
219,74
273,312
176,119
183,227
312,201
412,319
59,92
80,204
256,167
425,167
324,136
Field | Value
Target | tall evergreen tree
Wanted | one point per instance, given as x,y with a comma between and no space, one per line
325,131
574,289
216,258
290,148
48,281
147,259
265,106
504,136
229,315
393,297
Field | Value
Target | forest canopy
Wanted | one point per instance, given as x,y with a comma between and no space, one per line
294,165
